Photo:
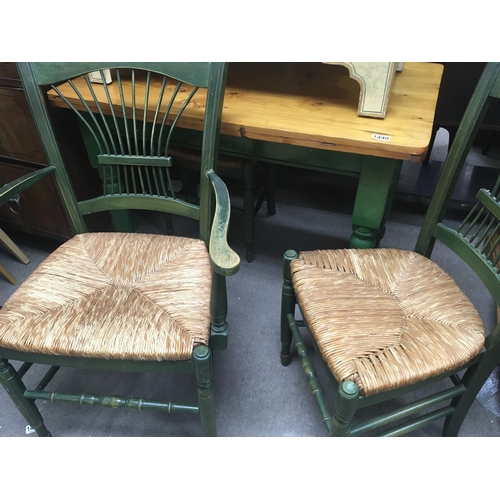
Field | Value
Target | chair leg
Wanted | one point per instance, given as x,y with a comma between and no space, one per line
14,249
218,312
270,192
202,358
248,207
169,223
474,379
287,306
345,408
5,272
15,388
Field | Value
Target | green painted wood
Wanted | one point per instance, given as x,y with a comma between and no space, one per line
366,401
418,423
473,248
473,257
310,373
489,202
118,365
160,161
288,302
373,198
474,379
456,157
51,372
83,399
12,383
202,360
281,154
210,147
23,369
218,312
36,101
224,260
197,74
495,89
128,157
405,411
345,408
139,202
17,186
121,219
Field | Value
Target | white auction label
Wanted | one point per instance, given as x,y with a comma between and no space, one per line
381,137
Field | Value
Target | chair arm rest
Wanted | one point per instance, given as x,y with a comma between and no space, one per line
224,260
10,190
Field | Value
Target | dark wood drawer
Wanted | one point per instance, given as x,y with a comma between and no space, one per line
38,209
18,134
9,76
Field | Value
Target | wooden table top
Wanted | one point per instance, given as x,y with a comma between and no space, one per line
308,104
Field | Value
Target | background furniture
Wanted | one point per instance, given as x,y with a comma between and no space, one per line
7,192
375,82
121,301
304,115
257,177
387,322
457,86
37,210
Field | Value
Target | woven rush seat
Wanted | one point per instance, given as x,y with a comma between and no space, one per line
385,318
114,296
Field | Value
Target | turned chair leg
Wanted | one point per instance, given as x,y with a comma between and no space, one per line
202,358
345,408
15,388
287,306
169,223
474,379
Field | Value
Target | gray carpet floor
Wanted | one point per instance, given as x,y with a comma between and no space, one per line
256,396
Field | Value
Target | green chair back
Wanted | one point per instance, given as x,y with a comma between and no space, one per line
477,239
131,129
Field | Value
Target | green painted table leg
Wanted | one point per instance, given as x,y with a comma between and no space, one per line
390,198
377,186
122,222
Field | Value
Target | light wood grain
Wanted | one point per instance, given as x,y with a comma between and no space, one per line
14,249
308,104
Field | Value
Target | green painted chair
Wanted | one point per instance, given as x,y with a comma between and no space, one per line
8,192
126,301
386,322
258,184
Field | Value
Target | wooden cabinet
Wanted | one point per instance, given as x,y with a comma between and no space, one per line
37,210
8,75
18,135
